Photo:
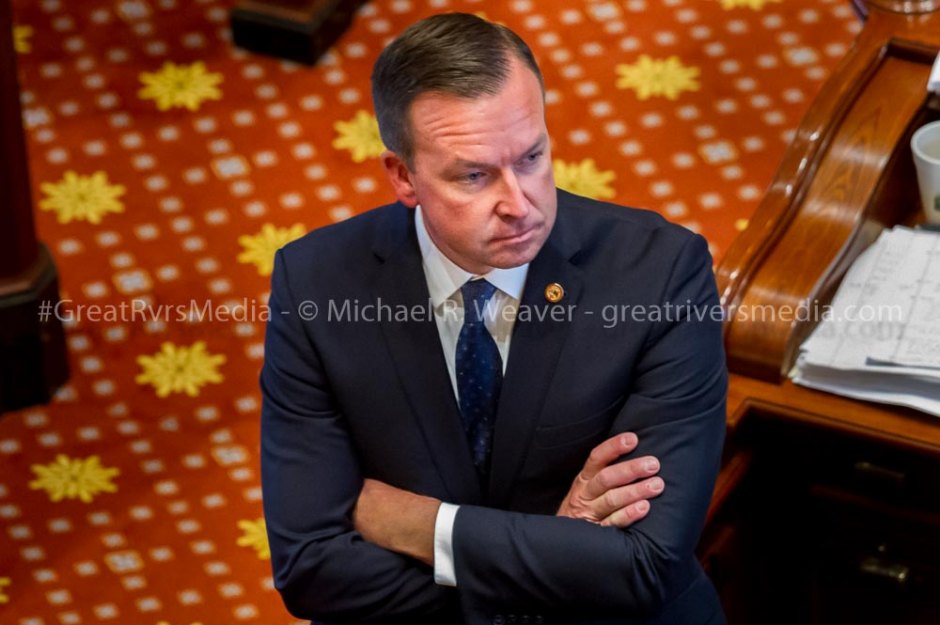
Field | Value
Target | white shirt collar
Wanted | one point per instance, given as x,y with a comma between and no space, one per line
445,277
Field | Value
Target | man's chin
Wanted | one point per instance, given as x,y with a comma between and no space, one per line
509,260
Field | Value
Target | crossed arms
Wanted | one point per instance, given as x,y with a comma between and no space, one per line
605,492
346,549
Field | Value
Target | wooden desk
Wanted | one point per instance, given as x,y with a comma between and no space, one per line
828,509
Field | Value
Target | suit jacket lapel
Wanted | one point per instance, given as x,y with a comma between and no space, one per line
537,341
415,347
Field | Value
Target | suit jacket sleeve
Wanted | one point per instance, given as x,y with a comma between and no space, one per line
311,480
676,406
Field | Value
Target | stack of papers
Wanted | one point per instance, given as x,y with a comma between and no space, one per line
880,338
933,83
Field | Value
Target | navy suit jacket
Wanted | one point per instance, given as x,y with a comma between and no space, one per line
348,398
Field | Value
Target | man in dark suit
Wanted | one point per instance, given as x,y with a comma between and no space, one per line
492,401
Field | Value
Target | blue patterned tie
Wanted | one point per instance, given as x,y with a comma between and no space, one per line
479,372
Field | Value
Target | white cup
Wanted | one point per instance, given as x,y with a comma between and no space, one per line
925,144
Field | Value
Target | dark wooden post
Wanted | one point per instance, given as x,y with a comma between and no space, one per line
33,356
298,30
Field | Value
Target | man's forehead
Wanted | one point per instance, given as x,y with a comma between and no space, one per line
469,124
459,161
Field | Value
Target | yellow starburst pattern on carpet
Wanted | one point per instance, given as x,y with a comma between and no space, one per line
360,135
4,582
180,86
757,5
583,179
21,35
82,198
255,535
74,478
260,248
180,369
657,77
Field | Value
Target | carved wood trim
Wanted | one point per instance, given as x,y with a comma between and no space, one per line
846,175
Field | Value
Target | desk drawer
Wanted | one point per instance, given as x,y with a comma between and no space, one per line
874,469
848,527
871,563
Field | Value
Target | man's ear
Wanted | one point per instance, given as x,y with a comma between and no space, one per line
400,177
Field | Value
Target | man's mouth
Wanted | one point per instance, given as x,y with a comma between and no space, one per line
518,237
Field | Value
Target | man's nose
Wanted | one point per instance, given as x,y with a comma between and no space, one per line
512,201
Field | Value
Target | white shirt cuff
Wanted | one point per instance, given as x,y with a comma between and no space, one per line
444,573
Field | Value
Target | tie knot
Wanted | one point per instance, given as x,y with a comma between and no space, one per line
475,295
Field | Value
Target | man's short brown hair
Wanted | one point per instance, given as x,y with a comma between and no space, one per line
456,54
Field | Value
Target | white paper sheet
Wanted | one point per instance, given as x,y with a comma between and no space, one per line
933,83
881,338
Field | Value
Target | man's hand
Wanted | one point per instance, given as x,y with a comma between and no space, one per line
397,520
613,494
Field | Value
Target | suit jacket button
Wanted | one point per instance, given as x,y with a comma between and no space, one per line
538,619
511,620
498,620
524,619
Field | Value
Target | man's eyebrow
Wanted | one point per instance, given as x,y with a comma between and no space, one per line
538,143
464,164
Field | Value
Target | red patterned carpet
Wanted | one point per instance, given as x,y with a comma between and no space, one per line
167,167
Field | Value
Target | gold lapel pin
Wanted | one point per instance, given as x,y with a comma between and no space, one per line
554,292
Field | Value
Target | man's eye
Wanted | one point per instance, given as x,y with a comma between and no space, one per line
474,176
534,157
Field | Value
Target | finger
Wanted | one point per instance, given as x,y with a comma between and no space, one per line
626,517
621,474
626,496
607,452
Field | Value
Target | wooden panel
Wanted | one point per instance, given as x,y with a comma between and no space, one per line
846,528
846,174
791,451
836,217
900,426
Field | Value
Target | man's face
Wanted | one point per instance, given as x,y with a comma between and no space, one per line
482,172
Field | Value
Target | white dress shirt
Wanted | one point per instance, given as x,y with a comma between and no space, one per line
444,279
